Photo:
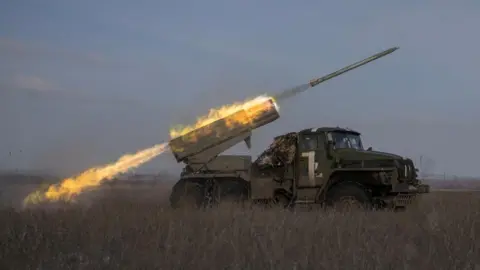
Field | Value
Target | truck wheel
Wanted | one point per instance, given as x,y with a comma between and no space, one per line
231,190
279,201
187,193
347,197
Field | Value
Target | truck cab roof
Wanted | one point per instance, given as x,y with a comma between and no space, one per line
319,130
328,129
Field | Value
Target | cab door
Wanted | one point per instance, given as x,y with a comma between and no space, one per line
308,162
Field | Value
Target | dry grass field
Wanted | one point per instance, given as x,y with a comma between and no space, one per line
126,229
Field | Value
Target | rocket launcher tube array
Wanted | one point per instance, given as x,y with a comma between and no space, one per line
224,129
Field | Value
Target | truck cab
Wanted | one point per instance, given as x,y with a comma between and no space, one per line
313,165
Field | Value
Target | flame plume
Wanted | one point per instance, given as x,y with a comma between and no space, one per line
94,177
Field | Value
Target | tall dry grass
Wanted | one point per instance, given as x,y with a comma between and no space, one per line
119,232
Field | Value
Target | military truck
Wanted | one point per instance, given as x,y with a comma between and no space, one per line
325,166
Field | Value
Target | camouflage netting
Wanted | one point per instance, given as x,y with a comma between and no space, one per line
280,153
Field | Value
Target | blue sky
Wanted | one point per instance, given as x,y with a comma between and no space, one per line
82,82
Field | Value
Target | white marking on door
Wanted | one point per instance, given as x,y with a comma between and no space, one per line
312,166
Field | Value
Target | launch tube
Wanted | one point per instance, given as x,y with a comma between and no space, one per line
224,129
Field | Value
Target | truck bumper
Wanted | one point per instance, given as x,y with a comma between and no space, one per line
423,188
410,189
404,195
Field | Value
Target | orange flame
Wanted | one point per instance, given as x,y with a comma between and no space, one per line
250,106
93,177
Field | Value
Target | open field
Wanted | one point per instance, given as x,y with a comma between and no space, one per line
463,184
127,228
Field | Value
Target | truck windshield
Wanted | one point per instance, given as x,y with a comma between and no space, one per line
347,140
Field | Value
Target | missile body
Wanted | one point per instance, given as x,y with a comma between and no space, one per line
314,82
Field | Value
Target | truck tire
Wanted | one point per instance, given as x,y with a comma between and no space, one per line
348,196
231,190
280,201
187,193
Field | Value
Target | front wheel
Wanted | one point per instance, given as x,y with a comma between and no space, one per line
348,197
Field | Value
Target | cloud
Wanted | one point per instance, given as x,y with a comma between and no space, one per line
32,83
14,49
11,45
42,88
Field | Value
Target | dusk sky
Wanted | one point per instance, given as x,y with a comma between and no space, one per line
83,82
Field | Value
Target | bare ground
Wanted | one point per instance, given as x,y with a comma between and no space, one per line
135,229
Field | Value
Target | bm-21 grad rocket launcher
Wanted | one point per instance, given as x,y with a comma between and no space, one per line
298,168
